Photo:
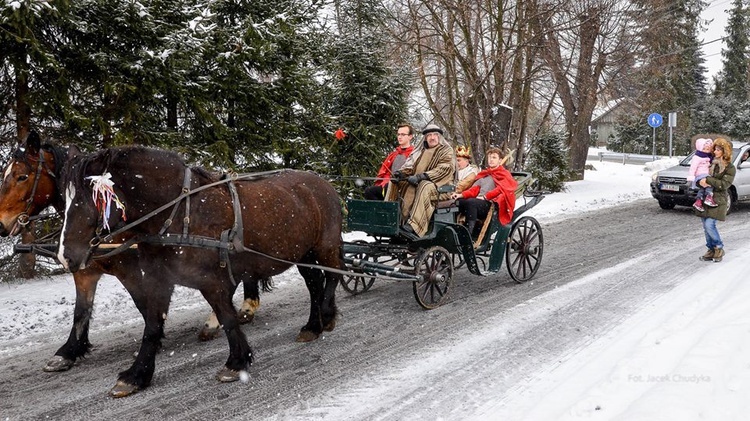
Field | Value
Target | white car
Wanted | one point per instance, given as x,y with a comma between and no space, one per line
670,186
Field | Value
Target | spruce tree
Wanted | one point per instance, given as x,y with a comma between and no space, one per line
672,78
257,99
29,70
732,79
367,93
548,161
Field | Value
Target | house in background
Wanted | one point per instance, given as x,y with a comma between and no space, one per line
607,116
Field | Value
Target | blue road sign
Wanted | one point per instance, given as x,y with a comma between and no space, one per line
654,120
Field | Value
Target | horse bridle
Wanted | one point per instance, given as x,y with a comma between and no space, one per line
20,156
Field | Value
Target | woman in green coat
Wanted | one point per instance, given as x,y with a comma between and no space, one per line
720,178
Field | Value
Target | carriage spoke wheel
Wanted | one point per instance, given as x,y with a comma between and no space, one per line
523,254
355,284
436,267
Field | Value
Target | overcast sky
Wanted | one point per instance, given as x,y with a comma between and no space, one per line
716,11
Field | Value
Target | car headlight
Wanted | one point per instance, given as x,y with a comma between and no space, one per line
654,176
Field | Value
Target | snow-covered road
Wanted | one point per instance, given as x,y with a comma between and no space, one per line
621,322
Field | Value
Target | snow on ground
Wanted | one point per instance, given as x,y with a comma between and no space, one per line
608,185
688,355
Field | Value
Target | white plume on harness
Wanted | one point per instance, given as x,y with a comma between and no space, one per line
103,195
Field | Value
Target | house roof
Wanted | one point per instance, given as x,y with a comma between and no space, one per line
608,107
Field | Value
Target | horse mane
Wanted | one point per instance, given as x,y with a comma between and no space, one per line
210,176
59,153
97,162
105,157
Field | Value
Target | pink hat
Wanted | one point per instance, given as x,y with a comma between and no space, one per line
701,143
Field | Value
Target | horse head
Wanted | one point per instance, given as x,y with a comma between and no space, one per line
29,183
108,188
81,216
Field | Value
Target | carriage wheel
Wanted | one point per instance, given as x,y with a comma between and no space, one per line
523,254
355,284
437,276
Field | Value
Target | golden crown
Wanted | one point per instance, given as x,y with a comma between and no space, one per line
463,151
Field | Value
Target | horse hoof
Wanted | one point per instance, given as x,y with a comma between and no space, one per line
226,375
245,317
123,389
58,363
306,336
209,334
330,326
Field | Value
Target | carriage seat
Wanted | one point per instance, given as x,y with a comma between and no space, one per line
442,193
443,204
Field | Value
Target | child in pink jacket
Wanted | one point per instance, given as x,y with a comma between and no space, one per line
699,169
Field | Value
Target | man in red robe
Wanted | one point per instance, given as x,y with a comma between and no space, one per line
392,162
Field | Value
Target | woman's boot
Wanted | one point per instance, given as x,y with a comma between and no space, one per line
709,256
718,254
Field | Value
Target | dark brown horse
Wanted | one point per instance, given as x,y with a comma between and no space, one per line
233,230
30,185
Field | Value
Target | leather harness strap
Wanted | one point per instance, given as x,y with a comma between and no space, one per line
231,240
24,218
185,189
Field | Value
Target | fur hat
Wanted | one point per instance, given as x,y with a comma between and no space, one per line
463,152
726,148
431,128
701,143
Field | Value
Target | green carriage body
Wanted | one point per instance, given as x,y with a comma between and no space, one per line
382,220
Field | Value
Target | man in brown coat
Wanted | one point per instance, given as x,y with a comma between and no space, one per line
432,164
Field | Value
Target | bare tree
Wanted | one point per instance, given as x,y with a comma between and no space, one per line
584,44
547,60
472,62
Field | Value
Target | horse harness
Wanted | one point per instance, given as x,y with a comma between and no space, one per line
20,156
230,240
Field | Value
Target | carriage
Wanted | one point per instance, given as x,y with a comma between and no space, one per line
429,262
228,218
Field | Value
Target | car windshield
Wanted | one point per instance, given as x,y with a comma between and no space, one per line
686,162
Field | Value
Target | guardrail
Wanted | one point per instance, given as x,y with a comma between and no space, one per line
625,158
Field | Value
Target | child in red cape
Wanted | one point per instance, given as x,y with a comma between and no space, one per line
494,184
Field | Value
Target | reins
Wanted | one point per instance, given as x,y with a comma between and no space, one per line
230,241
23,218
183,195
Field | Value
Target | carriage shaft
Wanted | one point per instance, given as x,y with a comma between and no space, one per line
380,269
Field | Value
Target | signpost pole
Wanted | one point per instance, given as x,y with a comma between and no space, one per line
672,123
670,141
654,120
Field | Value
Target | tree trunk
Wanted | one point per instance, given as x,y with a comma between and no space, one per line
27,263
578,96
579,149
172,113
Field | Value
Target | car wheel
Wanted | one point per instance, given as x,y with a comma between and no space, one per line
730,200
666,205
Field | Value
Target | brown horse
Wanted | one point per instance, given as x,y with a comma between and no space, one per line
211,233
30,185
